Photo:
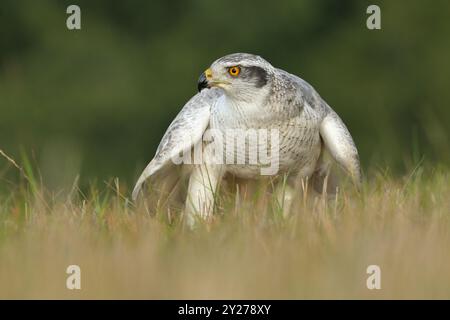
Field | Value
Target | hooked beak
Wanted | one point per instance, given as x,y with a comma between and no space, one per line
203,80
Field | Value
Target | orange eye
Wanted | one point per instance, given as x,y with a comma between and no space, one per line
234,71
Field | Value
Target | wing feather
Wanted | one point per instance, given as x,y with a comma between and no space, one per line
335,135
340,145
185,130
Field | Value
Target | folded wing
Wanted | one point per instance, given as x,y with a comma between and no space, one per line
340,145
183,133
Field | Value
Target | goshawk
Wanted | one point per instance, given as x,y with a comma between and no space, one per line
243,95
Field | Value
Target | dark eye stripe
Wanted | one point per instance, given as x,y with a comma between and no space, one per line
258,74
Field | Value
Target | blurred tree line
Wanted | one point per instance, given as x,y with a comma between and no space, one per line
97,101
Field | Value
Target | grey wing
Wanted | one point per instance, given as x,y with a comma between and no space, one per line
303,93
339,143
335,135
184,131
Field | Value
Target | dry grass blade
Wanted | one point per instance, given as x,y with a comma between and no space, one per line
14,163
248,251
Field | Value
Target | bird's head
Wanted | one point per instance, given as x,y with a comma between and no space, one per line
240,75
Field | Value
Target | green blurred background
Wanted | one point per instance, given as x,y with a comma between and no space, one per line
96,102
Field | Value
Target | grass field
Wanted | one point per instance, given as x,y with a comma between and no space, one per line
249,251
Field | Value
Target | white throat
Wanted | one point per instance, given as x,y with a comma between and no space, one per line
234,113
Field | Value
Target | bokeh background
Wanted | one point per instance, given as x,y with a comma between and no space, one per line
96,102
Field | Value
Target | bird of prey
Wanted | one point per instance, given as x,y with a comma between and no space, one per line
241,92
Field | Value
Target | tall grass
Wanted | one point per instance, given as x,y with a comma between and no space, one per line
248,251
